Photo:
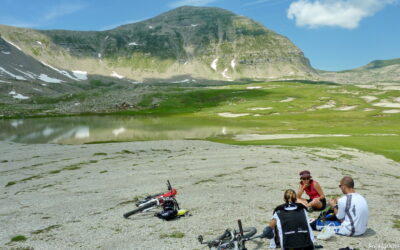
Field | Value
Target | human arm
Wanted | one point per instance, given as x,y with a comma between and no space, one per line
319,190
272,223
300,191
338,207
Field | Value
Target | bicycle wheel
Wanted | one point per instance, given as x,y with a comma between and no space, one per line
140,209
227,235
249,231
224,238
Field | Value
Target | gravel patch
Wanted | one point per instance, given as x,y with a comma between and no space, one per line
73,196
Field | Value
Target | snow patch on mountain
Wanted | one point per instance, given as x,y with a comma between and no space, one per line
225,75
28,74
12,44
12,75
214,64
59,71
17,96
115,74
80,75
46,78
233,63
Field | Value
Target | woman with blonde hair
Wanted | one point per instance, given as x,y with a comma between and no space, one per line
290,223
312,188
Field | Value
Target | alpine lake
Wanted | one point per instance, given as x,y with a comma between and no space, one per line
267,113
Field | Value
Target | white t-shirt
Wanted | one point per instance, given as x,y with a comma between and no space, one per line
353,210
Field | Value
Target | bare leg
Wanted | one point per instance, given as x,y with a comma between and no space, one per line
303,201
315,203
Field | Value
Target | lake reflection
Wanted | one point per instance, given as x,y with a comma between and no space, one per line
78,130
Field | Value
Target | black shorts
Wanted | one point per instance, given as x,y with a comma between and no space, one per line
323,201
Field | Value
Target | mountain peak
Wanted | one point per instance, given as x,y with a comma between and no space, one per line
199,9
203,42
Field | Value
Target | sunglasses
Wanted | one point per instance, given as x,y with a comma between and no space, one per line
305,178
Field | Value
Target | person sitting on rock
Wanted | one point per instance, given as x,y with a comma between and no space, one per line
312,188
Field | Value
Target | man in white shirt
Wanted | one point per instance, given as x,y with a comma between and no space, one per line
351,209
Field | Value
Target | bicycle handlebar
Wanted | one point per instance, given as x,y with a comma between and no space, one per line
169,185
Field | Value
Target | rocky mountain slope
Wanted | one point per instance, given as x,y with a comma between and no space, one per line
376,72
190,42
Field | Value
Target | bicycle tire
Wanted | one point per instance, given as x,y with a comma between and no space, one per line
140,209
223,236
227,236
249,231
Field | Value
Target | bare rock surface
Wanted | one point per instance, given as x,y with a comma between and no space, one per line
73,196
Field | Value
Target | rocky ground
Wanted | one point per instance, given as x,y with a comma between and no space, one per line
73,196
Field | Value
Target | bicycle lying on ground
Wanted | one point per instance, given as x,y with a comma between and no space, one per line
232,239
156,200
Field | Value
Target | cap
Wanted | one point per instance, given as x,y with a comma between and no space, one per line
305,173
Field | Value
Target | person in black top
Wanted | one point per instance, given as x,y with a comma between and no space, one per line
289,225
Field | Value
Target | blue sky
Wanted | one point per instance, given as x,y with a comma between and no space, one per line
333,34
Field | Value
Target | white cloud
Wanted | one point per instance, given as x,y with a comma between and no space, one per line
116,25
46,15
341,13
190,2
62,10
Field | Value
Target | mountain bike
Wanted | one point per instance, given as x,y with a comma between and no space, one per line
155,200
232,239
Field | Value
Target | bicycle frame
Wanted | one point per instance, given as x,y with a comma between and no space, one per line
171,193
154,201
236,241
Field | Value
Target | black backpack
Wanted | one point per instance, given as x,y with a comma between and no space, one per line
169,211
296,233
